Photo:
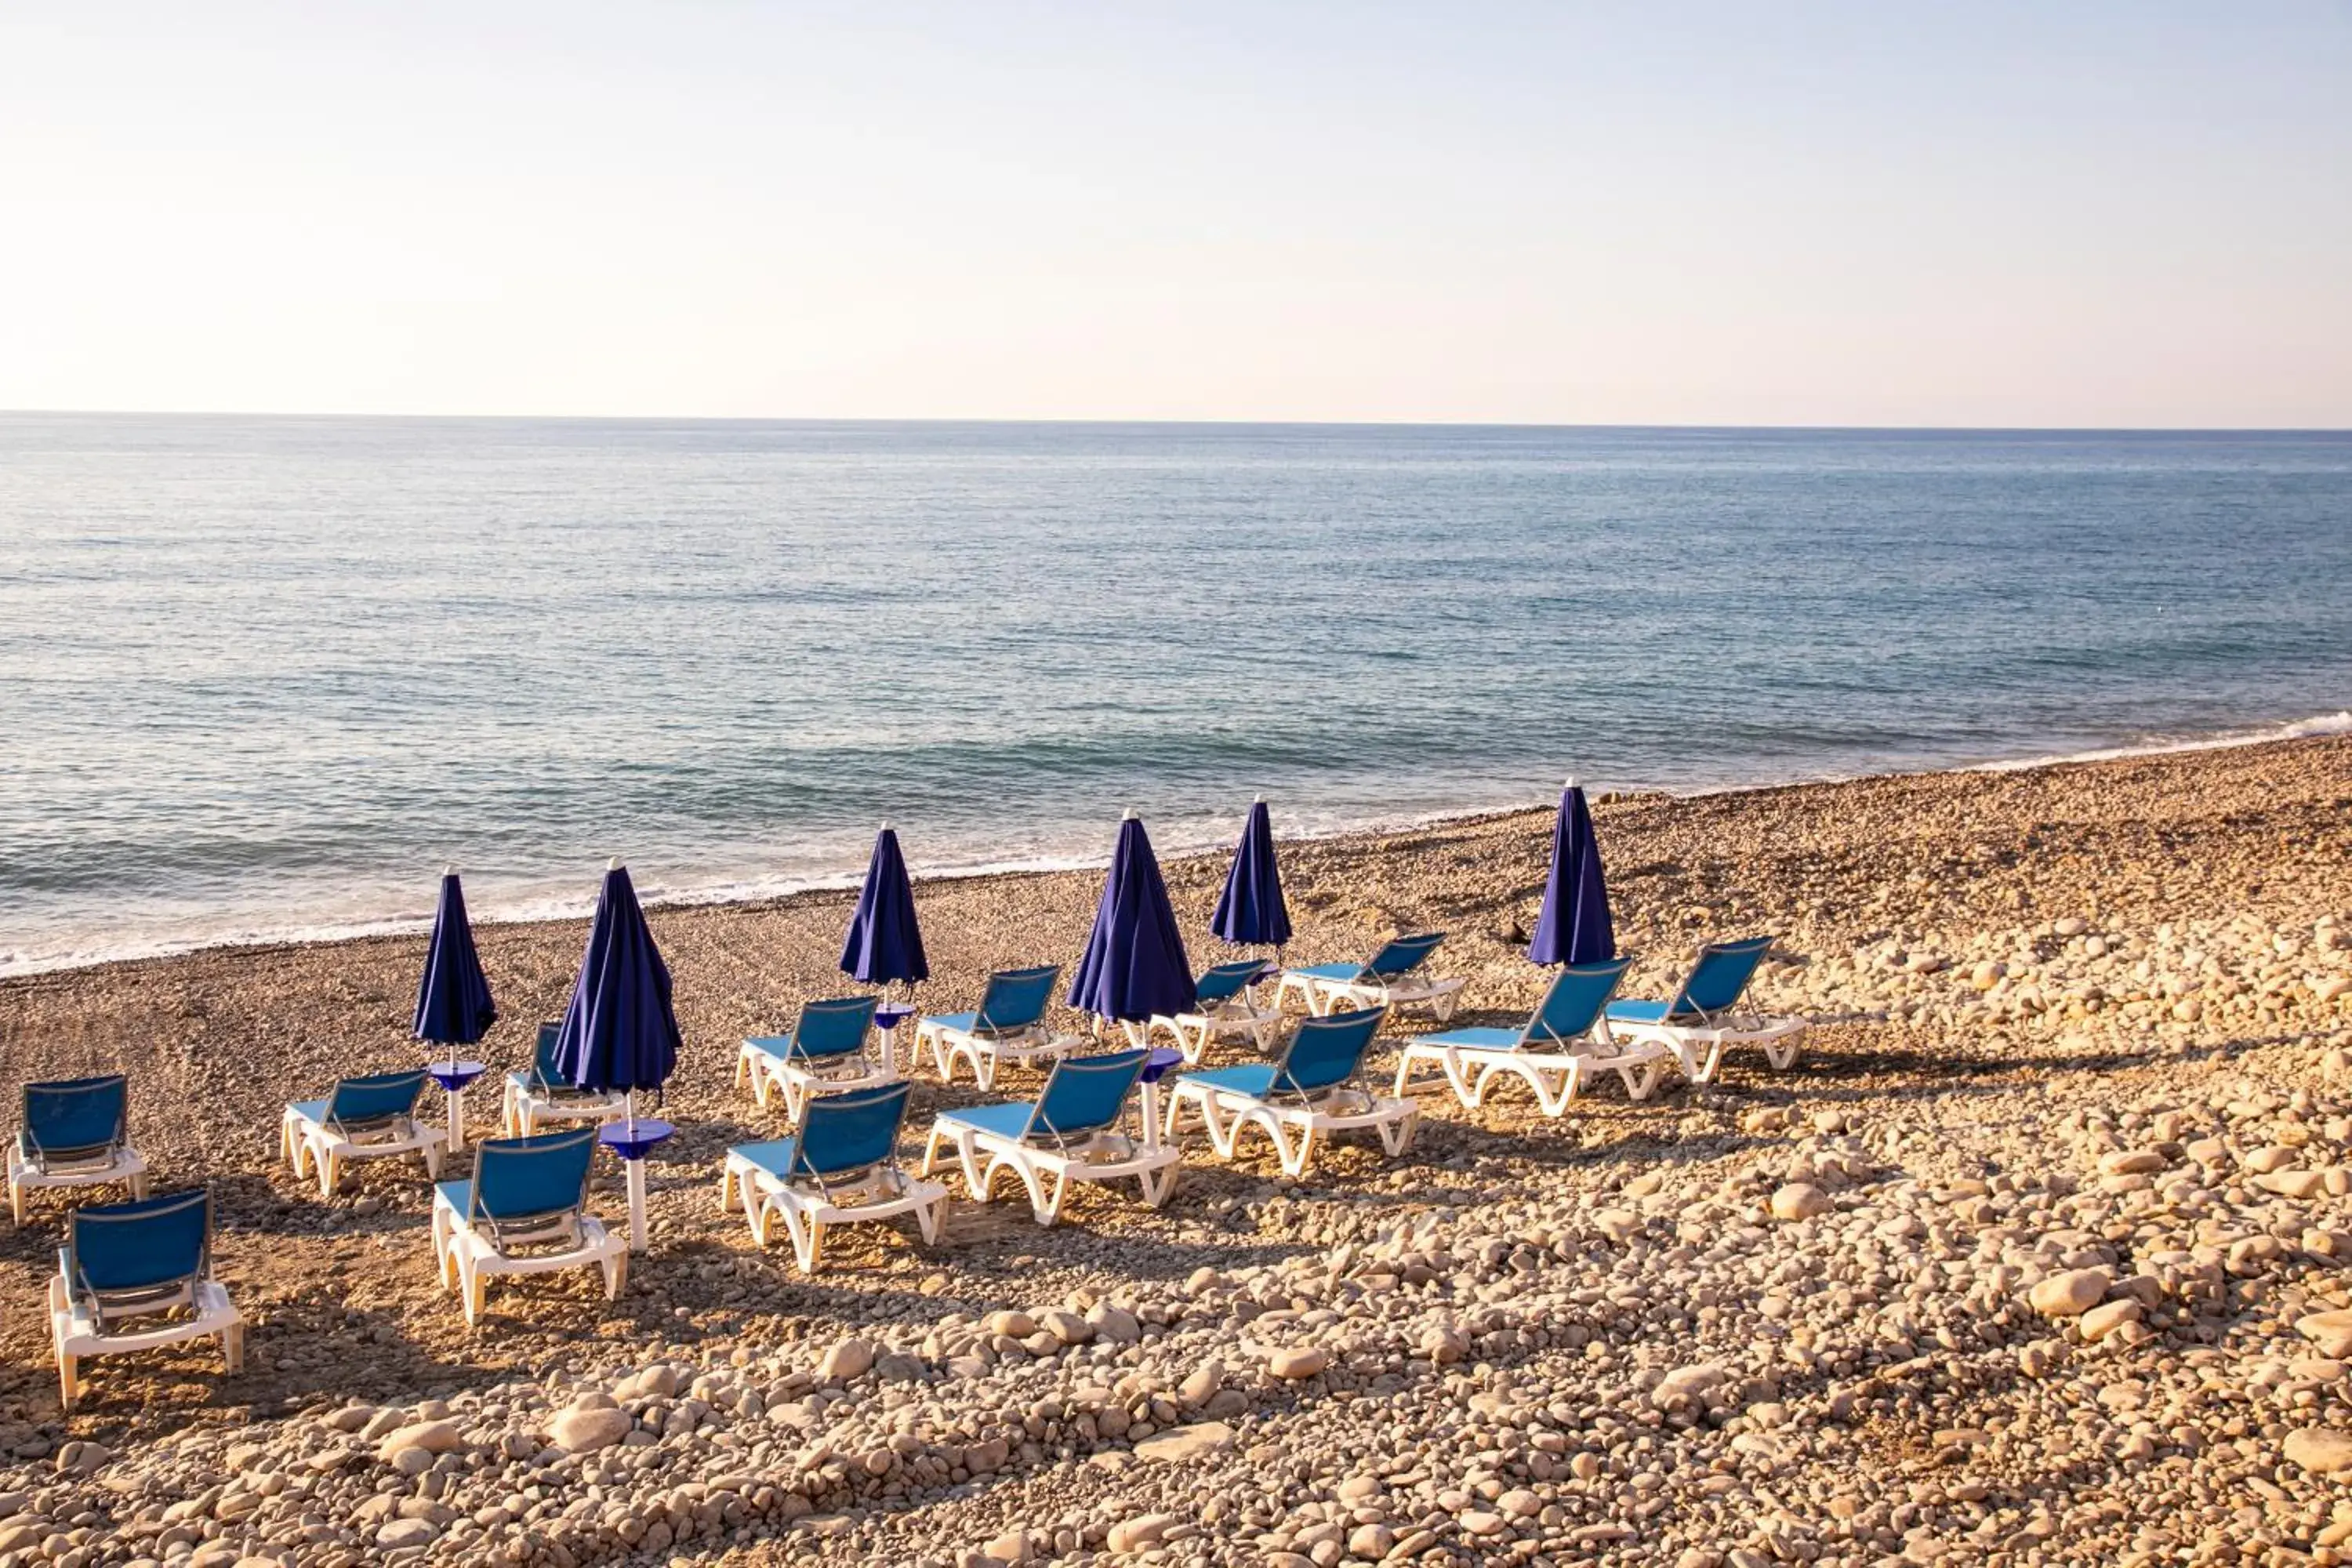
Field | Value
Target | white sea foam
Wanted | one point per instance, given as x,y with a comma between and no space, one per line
1203,834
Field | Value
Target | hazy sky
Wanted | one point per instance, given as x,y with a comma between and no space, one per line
2084,214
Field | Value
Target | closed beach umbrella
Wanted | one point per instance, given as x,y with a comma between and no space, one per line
453,1001
1574,925
884,943
1134,964
1251,910
619,1029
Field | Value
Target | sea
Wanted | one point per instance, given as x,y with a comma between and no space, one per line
262,677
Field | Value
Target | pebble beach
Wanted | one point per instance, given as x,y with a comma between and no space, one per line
2037,1255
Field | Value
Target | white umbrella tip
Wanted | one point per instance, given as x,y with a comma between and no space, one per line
1571,782
450,869
1129,816
885,824
1259,800
614,864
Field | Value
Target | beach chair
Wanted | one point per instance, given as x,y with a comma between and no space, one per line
146,1258
1700,1023
1391,979
1306,1094
1223,1007
541,1093
824,1054
1068,1133
525,1212
1007,1026
73,1135
361,1119
1563,1041
842,1168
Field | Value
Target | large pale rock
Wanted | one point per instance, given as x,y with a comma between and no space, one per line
1203,1382
1012,1325
849,1359
2262,1161
2131,1162
1687,1382
403,1532
1295,1361
1135,1534
1066,1327
2293,1183
583,1429
2101,1321
2322,1451
2331,1331
1799,1200
433,1437
2071,1294
1179,1443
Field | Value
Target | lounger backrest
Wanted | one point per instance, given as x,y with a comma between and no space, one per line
546,1072
76,1116
375,1100
841,1133
1015,999
149,1248
1576,998
1718,978
532,1178
1325,1052
1085,1094
1227,981
1401,955
834,1028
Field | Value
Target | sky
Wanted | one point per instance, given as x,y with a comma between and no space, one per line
2089,215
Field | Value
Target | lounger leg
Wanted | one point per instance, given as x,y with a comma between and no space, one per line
931,1149
68,1385
1642,1081
1782,1053
1158,1184
15,1201
613,1265
328,1171
756,1209
432,1161
726,1183
1051,1209
233,1348
1294,1166
138,1184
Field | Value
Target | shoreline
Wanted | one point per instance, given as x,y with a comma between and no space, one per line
730,895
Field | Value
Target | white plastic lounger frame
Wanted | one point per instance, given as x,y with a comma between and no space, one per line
842,1168
1007,1026
528,1193
538,1094
1392,979
1700,1023
1305,1096
73,1136
1226,1011
1069,1133
361,1119
1562,1042
135,1260
824,1054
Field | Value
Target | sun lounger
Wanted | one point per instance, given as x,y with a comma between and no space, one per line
1392,978
361,1119
1006,1026
1224,1008
146,1258
1068,1133
1308,1093
73,1136
541,1093
842,1168
1700,1022
824,1054
525,1212
1563,1042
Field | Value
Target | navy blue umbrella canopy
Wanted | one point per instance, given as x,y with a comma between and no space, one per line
620,1031
453,1000
1251,910
1574,925
884,943
1134,964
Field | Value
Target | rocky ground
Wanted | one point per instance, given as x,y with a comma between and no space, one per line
2036,1256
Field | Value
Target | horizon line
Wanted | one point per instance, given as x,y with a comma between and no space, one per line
795,419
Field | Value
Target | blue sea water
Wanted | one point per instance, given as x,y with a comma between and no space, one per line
261,677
